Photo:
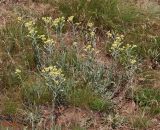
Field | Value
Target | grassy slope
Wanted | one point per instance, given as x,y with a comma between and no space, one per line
141,35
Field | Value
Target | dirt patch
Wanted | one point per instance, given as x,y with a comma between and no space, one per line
5,15
71,116
128,107
152,6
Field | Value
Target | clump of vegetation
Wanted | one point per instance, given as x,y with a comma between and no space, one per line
35,92
58,62
81,97
148,99
140,122
101,105
146,96
85,98
57,74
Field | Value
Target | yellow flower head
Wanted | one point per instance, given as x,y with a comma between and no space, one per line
58,21
19,19
47,20
118,38
133,61
134,46
122,37
70,19
30,26
18,71
90,25
92,34
43,37
89,48
75,43
109,34
49,41
55,73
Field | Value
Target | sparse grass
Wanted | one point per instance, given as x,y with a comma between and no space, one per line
149,100
140,122
103,13
86,98
146,96
101,105
81,97
77,127
35,91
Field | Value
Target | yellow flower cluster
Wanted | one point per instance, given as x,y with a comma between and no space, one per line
89,48
47,20
75,43
70,19
92,33
109,34
90,25
30,26
91,29
42,37
58,21
117,43
127,47
124,50
19,19
133,61
54,73
47,41
131,46
18,71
